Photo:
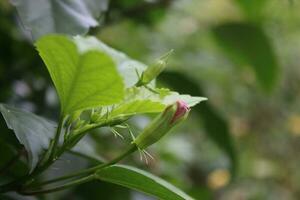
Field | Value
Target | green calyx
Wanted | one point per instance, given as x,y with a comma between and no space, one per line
161,125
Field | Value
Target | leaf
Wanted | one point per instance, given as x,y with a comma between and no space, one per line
127,67
140,100
142,181
82,80
56,16
215,125
247,44
32,131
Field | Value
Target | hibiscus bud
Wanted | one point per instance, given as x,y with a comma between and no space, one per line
164,122
154,70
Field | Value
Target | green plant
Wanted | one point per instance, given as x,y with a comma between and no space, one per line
97,87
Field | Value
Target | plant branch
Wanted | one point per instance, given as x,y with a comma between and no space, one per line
61,187
56,139
131,149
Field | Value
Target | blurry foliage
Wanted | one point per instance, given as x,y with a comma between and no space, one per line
253,9
248,45
146,12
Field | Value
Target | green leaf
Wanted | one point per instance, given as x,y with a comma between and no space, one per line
55,16
140,100
32,131
247,44
127,67
84,80
215,125
142,181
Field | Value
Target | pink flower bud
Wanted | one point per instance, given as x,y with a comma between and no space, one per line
182,109
162,124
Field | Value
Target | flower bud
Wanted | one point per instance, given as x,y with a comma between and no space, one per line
164,122
154,70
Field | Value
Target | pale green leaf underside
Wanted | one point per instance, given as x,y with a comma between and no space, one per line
126,65
140,180
137,107
140,100
83,80
32,131
56,16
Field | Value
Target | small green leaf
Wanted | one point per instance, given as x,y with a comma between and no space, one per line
140,100
32,131
142,181
247,44
137,107
82,80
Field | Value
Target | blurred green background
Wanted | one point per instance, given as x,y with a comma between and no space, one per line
243,55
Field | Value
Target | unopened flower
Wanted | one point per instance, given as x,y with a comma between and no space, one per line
163,123
154,70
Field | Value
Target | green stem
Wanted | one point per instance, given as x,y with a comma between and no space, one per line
61,187
52,156
130,149
56,139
